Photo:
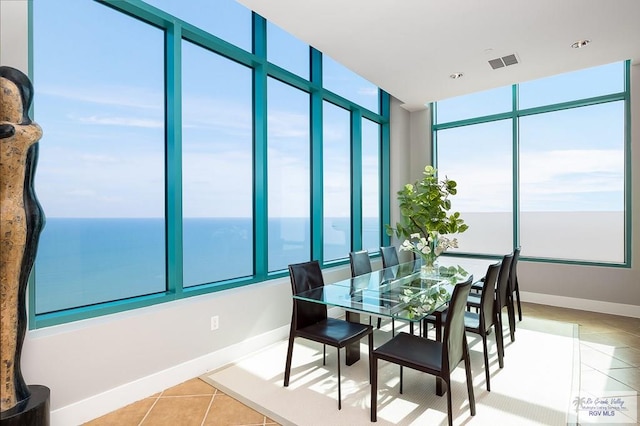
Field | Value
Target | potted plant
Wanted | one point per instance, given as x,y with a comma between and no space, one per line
426,221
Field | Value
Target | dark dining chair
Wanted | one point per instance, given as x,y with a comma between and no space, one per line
360,264
502,298
389,256
309,320
428,356
481,322
514,287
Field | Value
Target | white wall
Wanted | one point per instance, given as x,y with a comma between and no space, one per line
95,366
14,42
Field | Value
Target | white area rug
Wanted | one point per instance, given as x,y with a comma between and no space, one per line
535,387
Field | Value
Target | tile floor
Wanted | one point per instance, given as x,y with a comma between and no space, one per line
609,355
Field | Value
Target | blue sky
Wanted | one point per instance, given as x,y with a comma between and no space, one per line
569,160
102,110
100,103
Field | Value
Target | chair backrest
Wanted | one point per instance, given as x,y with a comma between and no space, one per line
389,256
503,281
306,276
487,300
360,262
513,273
454,334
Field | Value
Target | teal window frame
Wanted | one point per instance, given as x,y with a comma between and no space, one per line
175,31
514,114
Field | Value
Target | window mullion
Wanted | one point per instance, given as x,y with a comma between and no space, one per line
356,180
260,184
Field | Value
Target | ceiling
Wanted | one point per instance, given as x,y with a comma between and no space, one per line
410,48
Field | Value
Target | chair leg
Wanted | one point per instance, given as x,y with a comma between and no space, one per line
324,354
467,367
393,327
287,367
486,361
512,321
518,300
339,389
447,381
374,388
370,353
379,322
401,380
499,341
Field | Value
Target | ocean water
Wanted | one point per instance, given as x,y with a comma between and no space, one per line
87,261
84,261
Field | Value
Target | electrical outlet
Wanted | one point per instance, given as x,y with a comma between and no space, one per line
215,322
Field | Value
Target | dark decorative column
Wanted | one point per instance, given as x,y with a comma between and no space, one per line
21,221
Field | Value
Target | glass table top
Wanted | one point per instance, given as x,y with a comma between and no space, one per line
403,291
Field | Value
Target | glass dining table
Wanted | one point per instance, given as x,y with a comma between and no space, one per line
405,292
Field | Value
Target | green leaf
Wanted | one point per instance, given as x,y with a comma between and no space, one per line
424,206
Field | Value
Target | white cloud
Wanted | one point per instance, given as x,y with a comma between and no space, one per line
126,96
215,113
548,179
283,124
572,171
119,121
368,91
97,158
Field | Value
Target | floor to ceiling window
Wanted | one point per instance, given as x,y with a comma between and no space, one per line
179,154
370,185
542,165
101,173
336,165
217,136
288,175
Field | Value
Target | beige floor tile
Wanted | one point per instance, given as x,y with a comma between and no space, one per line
178,410
599,360
630,325
619,339
628,376
594,381
591,327
629,355
190,387
227,411
131,415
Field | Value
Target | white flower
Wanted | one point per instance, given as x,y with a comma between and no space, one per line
416,235
406,246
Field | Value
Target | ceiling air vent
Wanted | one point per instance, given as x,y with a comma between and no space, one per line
505,61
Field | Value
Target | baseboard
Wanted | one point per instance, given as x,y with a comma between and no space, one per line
582,304
113,399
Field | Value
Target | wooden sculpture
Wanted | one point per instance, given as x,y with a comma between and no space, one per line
21,221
